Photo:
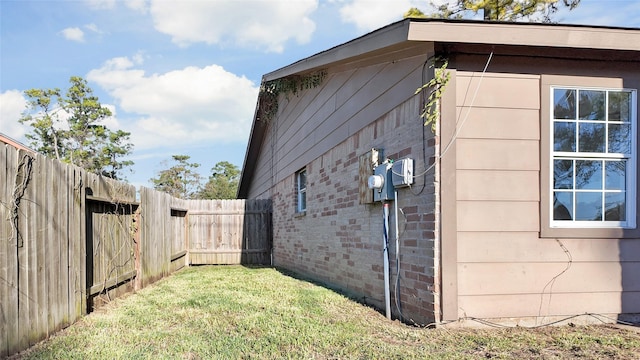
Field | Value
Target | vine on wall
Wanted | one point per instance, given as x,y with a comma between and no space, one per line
271,90
435,88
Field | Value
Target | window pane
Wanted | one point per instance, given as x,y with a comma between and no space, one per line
564,136
301,187
303,201
564,104
563,174
591,106
589,174
615,175
619,109
303,179
619,139
562,205
591,137
589,206
616,207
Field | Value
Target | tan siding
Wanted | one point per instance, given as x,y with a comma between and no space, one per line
497,216
498,154
491,123
499,247
448,203
540,278
525,305
504,269
296,126
498,91
499,185
261,182
380,88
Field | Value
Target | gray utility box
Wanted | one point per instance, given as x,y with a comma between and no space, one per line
386,191
402,171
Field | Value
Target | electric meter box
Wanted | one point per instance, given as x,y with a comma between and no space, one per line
385,191
402,171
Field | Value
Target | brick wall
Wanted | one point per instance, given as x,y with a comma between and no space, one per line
338,241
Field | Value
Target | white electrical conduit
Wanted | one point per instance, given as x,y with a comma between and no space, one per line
397,288
385,244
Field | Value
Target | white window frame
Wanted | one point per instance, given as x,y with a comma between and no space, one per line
301,191
631,160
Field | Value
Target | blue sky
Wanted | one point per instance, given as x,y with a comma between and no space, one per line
183,76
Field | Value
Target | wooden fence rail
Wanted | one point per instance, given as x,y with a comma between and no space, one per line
71,241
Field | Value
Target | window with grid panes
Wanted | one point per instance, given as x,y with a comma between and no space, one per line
593,141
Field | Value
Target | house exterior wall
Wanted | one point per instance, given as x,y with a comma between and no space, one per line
506,263
339,240
478,241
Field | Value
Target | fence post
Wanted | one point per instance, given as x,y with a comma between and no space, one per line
137,285
187,260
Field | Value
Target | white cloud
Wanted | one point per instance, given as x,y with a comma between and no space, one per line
111,122
73,34
12,104
93,27
261,23
188,106
102,4
369,15
138,5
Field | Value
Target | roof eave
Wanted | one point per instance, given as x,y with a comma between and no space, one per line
525,34
387,36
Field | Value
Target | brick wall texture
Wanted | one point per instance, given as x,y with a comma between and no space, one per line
339,241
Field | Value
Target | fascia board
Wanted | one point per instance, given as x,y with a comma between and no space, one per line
526,35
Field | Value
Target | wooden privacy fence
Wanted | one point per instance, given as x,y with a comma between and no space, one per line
229,232
71,240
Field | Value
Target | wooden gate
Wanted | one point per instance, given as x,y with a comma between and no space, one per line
111,250
229,232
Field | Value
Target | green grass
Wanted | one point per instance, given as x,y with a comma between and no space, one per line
233,312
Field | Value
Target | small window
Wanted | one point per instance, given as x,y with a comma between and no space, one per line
301,191
593,158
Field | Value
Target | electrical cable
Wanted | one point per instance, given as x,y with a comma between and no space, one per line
464,120
553,280
399,234
424,98
552,323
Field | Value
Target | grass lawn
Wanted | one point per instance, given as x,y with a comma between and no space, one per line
234,312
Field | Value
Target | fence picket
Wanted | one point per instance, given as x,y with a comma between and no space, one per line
31,246
6,254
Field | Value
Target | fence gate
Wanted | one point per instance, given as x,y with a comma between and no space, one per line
229,232
111,249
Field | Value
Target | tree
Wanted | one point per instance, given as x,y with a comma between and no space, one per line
180,180
70,128
500,10
223,182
